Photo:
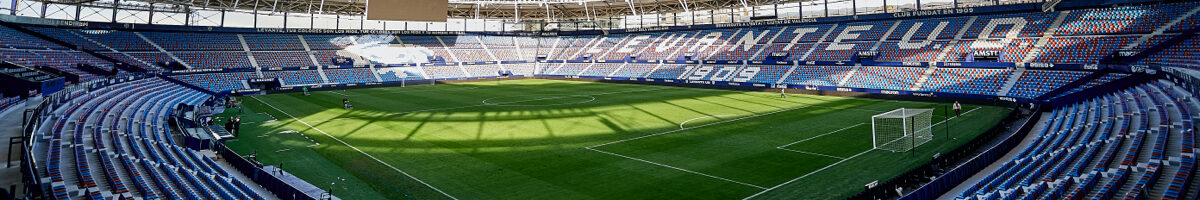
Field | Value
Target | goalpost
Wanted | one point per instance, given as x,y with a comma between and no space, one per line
902,129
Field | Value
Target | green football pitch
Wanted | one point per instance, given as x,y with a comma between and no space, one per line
550,139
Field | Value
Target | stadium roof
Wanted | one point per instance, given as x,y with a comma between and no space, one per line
525,10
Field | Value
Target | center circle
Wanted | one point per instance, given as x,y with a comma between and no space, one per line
538,100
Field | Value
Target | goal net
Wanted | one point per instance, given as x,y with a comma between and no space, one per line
902,129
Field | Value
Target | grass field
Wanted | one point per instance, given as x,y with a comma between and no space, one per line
547,139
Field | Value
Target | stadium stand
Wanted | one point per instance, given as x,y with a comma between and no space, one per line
1034,83
444,72
119,40
273,42
13,39
635,70
218,82
356,75
1135,142
482,70
134,159
818,75
270,59
195,42
602,69
888,78
300,77
1109,147
324,42
967,80
522,69
570,69
1182,54
669,71
215,59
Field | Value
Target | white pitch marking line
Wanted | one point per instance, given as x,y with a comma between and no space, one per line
815,137
355,148
836,163
811,153
806,175
471,106
485,101
702,117
339,93
700,126
676,168
935,124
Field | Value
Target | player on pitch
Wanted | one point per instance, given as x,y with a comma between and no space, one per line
957,107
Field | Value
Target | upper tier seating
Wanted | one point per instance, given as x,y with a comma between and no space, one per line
1188,23
355,75
399,74
61,60
868,31
825,52
483,70
10,38
273,42
195,42
218,82
966,80
817,75
888,78
324,42
282,59
1036,25
670,71
1182,54
929,27
1109,77
569,69
893,52
602,69
300,77
154,58
133,61
443,72
1034,83
635,70
69,36
1122,20
472,55
119,40
215,59
1081,49
522,69
765,74
325,58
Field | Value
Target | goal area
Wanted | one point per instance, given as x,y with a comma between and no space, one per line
902,129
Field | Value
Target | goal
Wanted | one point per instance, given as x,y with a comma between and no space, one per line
902,129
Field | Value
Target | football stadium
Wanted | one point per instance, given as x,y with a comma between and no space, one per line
599,99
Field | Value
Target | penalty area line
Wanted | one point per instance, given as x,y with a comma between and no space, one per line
700,126
806,175
339,93
706,116
355,148
821,135
839,162
677,168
